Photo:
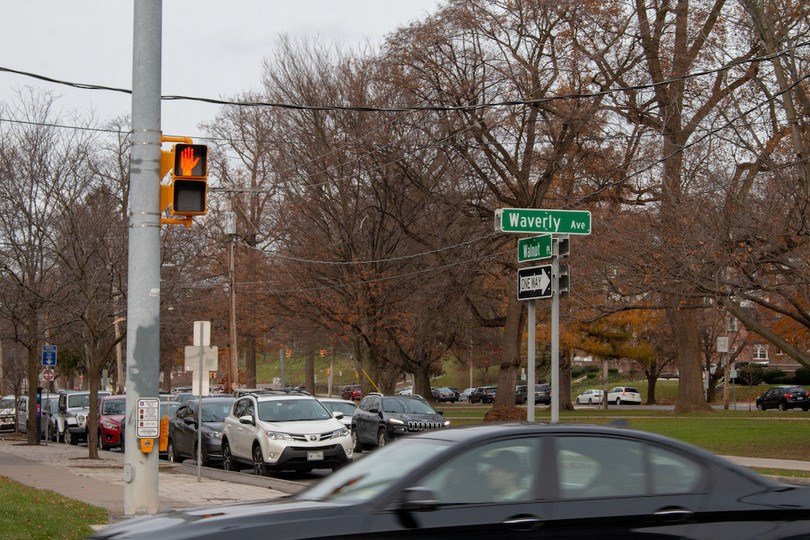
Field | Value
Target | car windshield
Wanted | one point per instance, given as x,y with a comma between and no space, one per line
335,406
7,403
215,412
79,400
114,406
413,406
171,406
292,410
364,479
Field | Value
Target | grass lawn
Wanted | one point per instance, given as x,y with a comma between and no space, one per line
32,513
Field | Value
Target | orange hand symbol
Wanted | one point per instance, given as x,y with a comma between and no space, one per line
187,161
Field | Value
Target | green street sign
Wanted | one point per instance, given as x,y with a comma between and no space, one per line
535,220
534,248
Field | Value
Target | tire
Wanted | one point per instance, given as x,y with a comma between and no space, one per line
358,446
69,438
783,406
259,468
761,406
618,401
101,445
805,409
590,401
228,462
382,437
171,453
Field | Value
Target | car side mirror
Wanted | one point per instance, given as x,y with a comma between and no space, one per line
190,421
374,410
418,499
338,415
440,412
246,420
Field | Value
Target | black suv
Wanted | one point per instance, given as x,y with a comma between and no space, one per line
542,394
784,398
379,419
484,394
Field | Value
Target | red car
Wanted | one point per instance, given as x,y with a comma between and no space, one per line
352,392
111,410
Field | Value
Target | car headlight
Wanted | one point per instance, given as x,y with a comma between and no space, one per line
447,423
212,433
109,425
343,432
279,436
80,419
396,421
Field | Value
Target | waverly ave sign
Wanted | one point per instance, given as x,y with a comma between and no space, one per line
535,220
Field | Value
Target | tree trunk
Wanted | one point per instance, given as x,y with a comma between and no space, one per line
250,360
309,372
564,399
34,365
92,415
690,385
652,378
510,361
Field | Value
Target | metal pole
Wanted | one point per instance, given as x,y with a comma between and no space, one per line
531,362
199,417
281,359
555,340
331,368
143,299
234,370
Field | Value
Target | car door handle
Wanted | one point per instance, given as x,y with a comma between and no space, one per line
674,513
524,522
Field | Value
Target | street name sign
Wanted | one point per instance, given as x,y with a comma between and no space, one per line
534,282
536,220
49,355
534,248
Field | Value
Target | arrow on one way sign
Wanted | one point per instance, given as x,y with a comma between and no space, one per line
534,282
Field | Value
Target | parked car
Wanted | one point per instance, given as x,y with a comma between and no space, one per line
624,394
445,394
71,418
406,391
542,394
578,481
281,431
48,412
783,398
465,394
344,406
484,394
183,426
352,392
111,412
590,396
7,413
380,419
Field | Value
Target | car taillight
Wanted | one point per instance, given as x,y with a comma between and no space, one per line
788,395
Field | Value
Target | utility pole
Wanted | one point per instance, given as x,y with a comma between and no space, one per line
233,371
143,299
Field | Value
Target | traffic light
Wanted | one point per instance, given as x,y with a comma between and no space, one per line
188,193
289,353
323,353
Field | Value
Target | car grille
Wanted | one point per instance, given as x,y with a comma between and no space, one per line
423,425
312,437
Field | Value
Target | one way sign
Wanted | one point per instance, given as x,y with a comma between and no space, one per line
534,282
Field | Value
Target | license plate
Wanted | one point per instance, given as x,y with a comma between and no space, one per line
314,456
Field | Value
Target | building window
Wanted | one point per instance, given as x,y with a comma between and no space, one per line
760,353
731,324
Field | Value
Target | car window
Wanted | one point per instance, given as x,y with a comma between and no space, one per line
633,390
215,412
336,406
495,472
378,471
78,400
114,406
292,410
413,406
366,403
613,467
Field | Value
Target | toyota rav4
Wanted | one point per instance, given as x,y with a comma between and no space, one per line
286,430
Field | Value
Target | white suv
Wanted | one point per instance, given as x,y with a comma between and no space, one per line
275,431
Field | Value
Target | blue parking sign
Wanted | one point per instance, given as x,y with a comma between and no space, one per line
49,355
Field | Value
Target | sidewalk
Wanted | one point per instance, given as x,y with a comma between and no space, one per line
67,470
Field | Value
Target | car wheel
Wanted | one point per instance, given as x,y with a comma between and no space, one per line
228,462
805,409
618,401
761,406
358,447
101,445
783,406
382,437
259,469
68,437
170,452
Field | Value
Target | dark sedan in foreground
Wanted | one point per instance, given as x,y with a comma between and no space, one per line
509,481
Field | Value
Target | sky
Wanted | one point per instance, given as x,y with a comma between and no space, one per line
211,48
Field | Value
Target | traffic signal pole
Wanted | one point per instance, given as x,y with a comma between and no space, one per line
143,299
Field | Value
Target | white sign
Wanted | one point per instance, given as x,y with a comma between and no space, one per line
210,358
722,344
47,374
148,421
202,333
